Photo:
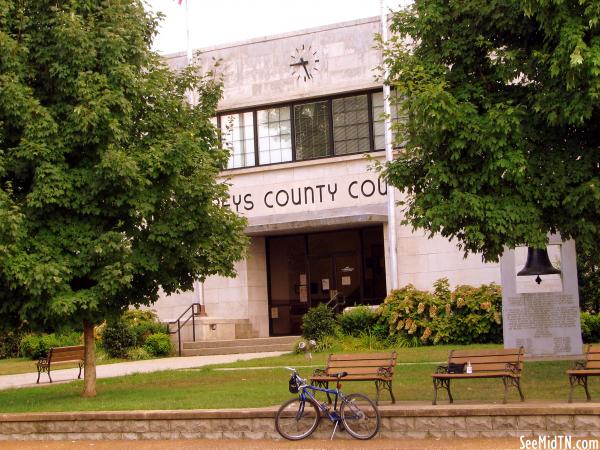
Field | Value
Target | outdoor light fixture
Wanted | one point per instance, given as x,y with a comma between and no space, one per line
538,263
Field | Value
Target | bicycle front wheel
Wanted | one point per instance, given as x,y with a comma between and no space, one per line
297,419
360,416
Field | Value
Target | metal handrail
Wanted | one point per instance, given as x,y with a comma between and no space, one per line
337,301
195,310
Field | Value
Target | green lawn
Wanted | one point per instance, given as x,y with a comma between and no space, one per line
12,366
263,382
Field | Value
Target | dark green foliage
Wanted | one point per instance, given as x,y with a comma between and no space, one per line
588,271
142,324
158,344
35,346
10,340
318,322
358,320
117,339
108,177
503,120
590,328
466,315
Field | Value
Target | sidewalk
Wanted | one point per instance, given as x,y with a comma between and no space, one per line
127,368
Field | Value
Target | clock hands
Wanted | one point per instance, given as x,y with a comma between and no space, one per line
302,62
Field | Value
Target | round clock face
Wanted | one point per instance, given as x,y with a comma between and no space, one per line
304,63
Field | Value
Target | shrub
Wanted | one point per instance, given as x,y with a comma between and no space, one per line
318,322
10,341
138,354
464,316
590,327
158,344
117,339
142,323
36,346
358,320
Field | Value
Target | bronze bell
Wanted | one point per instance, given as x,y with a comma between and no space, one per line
538,263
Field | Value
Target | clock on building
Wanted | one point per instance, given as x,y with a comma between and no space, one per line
304,62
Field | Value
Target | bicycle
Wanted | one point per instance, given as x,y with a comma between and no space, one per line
299,417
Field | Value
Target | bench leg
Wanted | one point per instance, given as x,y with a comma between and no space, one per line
581,380
518,383
49,374
80,367
505,380
39,373
585,386
439,383
384,384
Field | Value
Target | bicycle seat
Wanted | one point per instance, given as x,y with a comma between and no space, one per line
339,374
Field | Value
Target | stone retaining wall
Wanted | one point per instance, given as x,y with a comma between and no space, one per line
401,421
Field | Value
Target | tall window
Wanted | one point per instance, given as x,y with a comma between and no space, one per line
378,125
311,130
238,136
350,125
274,135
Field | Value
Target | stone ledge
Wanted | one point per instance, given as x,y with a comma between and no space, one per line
398,410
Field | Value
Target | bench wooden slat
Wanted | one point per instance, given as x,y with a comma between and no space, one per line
364,363
362,356
373,371
486,352
483,359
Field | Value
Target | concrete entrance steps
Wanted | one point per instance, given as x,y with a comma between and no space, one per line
228,347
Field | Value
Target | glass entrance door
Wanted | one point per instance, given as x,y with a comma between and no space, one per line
306,270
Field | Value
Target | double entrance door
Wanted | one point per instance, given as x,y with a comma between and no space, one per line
336,275
309,269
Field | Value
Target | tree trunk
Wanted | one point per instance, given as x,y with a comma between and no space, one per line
89,374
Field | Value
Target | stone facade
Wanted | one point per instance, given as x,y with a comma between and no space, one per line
474,421
312,195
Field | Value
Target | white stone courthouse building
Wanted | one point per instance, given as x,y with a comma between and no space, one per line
302,112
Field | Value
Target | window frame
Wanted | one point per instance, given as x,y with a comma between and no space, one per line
291,104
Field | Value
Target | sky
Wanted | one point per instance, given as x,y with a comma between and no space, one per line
214,22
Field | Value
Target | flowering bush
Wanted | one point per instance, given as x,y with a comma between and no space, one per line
464,316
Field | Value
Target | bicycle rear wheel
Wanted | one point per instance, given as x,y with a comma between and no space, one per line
360,416
297,419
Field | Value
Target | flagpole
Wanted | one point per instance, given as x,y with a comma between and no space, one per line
187,35
198,286
389,156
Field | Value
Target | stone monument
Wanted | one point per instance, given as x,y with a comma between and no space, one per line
543,318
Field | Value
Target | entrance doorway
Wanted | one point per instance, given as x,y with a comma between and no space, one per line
308,269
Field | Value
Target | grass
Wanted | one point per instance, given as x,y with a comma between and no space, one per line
13,366
263,382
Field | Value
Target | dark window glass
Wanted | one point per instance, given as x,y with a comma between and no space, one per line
350,125
311,130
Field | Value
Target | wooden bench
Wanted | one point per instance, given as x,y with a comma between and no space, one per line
493,363
581,370
61,355
377,367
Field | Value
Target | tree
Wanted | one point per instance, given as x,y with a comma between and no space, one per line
503,120
108,176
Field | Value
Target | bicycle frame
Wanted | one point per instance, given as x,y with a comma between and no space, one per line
332,414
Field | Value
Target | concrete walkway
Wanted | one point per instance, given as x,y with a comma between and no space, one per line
127,368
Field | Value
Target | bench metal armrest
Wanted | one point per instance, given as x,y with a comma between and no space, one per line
42,362
384,372
319,373
579,365
513,367
443,368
